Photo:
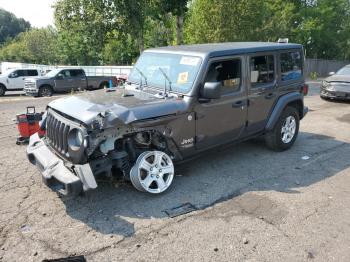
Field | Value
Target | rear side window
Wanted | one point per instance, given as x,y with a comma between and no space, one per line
76,73
228,73
291,65
262,69
32,72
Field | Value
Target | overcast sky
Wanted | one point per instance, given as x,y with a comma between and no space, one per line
38,12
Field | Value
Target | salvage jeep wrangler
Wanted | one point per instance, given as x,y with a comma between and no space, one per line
178,102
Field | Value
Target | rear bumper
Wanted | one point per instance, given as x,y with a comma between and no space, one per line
66,181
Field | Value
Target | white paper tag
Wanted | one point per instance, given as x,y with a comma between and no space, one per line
189,60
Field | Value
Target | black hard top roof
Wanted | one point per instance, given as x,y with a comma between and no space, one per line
222,49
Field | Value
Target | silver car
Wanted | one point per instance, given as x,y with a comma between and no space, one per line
337,85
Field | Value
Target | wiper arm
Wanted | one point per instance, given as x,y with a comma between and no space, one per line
167,78
142,76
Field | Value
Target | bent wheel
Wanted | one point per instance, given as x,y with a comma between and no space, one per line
153,172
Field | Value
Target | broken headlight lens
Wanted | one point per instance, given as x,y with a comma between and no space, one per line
75,139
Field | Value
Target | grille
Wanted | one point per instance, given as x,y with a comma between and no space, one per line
29,84
57,133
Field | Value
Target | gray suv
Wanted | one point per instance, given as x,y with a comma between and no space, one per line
178,102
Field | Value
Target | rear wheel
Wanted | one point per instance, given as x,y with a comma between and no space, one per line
285,132
153,172
2,90
45,91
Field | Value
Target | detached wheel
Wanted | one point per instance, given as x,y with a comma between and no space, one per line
153,172
45,91
2,90
285,132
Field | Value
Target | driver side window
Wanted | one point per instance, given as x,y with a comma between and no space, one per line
228,73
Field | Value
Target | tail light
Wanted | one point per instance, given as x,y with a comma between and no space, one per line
305,89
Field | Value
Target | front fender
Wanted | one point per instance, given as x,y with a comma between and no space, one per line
282,102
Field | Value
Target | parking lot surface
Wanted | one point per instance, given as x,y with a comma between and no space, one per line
252,204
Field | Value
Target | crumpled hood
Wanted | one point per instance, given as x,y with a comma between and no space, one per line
338,78
120,105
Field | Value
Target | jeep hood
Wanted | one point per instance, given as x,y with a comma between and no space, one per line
122,105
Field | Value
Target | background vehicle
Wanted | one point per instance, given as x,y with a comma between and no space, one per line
337,86
179,102
63,80
13,79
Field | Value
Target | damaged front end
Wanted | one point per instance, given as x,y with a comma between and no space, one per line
74,153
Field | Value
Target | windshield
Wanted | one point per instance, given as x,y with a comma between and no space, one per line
344,71
53,73
181,70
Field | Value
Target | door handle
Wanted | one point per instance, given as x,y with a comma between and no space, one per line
237,104
270,95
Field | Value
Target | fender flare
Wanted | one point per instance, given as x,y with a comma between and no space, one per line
281,104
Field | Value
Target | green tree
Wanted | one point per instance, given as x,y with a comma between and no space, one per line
11,26
34,46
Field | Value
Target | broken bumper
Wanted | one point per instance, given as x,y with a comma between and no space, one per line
68,182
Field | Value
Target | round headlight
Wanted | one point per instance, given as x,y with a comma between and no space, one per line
75,139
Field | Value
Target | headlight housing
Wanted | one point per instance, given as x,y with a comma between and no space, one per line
328,86
75,139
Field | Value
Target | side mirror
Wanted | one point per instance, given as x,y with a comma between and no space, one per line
331,73
59,76
12,75
211,90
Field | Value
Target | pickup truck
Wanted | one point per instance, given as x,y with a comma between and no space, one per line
13,79
178,102
63,80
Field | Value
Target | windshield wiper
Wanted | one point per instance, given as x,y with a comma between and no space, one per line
142,76
167,78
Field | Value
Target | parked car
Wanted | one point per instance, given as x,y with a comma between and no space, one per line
63,80
178,102
13,79
337,85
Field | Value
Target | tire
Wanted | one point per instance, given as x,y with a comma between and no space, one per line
285,132
2,90
45,91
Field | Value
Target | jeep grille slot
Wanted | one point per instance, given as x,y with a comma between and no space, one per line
57,134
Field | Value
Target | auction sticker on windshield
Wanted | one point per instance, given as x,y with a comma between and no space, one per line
189,60
182,78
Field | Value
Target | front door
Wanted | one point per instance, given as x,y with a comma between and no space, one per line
64,81
221,120
262,90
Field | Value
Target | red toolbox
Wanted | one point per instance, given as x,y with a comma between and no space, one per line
28,124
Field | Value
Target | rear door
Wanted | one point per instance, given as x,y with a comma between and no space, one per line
79,79
222,120
262,89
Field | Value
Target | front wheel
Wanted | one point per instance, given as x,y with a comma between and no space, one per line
153,172
2,90
45,91
285,132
